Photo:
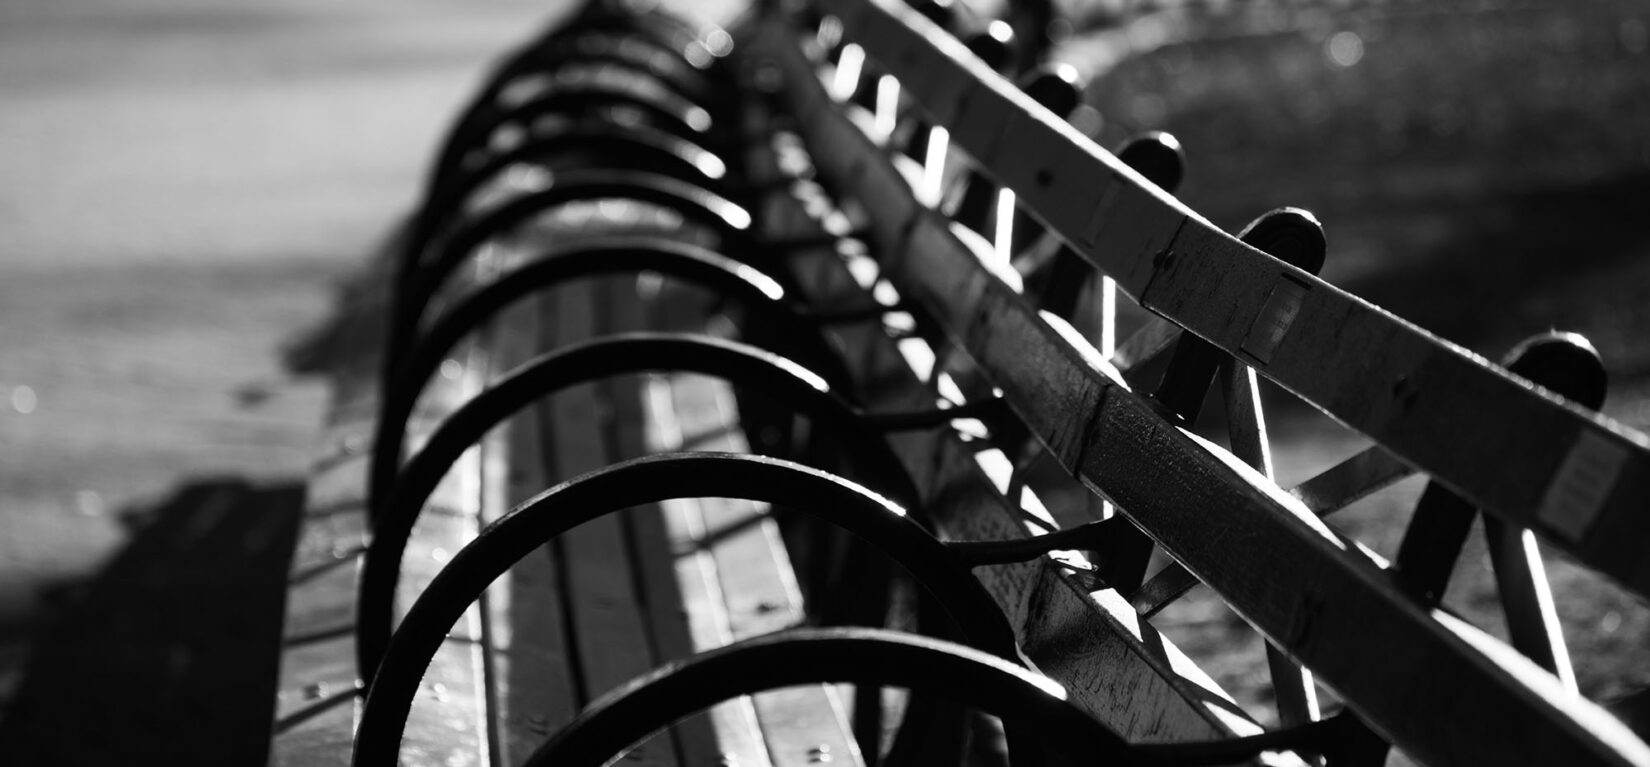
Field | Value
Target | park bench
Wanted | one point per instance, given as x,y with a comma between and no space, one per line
838,238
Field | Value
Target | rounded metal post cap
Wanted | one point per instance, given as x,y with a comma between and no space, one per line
1054,86
994,45
1157,156
941,12
1564,362
1292,235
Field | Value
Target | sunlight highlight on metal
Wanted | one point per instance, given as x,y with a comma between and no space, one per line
848,67
932,188
887,109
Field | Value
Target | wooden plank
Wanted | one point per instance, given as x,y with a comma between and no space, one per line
1140,683
683,603
1224,522
1581,480
610,631
448,721
741,725
530,686
760,594
317,662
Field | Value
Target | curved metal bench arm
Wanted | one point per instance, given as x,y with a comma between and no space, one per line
862,656
666,111
622,44
616,45
578,363
614,255
695,203
400,661
1024,700
418,281
635,147
669,31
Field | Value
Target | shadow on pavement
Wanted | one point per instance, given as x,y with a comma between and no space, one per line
170,654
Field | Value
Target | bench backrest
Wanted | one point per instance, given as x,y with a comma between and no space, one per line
1521,453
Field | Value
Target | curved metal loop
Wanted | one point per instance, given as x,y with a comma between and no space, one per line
665,110
701,206
629,147
542,376
616,45
417,281
1024,700
608,255
619,44
671,32
400,660
861,656
638,54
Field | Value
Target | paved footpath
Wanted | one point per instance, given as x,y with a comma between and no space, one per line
181,183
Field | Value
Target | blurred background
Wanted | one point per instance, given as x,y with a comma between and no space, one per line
183,183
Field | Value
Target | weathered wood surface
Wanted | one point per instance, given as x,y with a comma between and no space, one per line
1579,479
1461,698
317,706
608,623
530,687
728,573
628,592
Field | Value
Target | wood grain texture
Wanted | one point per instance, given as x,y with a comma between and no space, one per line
1581,480
1462,698
448,724
609,626
680,596
759,592
531,692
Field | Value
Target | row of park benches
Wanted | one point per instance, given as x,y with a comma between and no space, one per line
682,305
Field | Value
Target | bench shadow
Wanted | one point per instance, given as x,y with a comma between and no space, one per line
170,654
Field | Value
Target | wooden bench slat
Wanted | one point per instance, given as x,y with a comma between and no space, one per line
760,592
1580,479
738,732
610,629
685,611
530,684
317,664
